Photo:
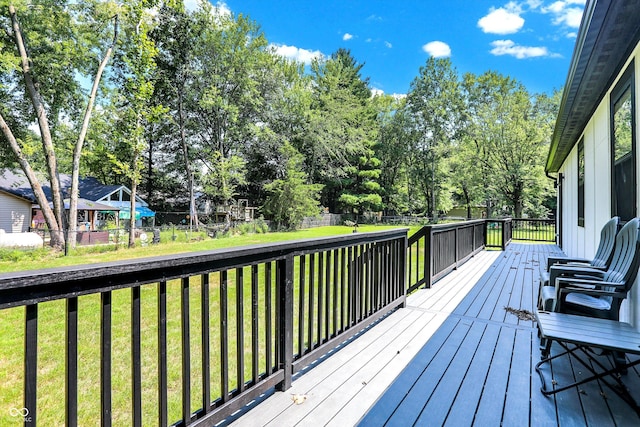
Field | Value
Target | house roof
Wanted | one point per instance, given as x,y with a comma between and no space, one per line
609,32
16,183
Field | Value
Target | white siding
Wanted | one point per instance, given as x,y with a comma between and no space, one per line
579,241
15,214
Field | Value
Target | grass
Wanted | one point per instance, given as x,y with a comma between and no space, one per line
51,326
16,260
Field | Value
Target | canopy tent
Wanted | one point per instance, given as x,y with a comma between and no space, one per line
141,212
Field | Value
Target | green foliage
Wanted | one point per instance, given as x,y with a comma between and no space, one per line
197,102
290,198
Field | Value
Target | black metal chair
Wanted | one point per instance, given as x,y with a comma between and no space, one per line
558,266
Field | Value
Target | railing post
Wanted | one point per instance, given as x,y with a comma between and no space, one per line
402,272
428,258
456,237
504,235
285,319
30,364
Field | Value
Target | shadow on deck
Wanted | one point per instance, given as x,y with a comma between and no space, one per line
454,356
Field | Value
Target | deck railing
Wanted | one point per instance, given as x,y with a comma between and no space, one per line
536,230
191,338
435,250
498,233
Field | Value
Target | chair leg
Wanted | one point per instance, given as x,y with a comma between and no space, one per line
545,348
620,360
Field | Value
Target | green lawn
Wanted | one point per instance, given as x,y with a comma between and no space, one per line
51,334
11,260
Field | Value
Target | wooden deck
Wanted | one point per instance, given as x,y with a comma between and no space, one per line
454,356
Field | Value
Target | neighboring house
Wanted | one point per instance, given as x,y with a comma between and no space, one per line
97,203
15,213
593,151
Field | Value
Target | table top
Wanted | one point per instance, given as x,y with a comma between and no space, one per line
590,331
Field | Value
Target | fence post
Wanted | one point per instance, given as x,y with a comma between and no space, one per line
428,258
456,236
284,276
401,268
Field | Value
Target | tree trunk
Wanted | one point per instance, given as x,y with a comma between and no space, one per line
56,226
77,150
132,219
193,212
57,238
465,191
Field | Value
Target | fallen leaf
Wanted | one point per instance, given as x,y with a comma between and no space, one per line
298,399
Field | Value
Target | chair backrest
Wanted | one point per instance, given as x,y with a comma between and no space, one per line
626,255
604,254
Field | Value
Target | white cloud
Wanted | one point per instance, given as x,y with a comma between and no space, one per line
508,47
379,92
221,9
505,20
296,53
565,12
347,36
191,5
387,44
437,49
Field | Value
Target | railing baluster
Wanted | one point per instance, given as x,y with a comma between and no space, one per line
206,342
71,358
186,352
351,287
255,338
163,407
105,357
136,352
320,297
31,362
327,294
240,329
312,265
336,289
344,307
268,314
301,306
224,337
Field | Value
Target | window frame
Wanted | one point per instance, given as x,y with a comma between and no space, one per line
626,83
580,182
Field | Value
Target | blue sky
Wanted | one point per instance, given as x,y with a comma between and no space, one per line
530,40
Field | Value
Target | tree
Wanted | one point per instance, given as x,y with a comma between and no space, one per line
43,68
173,80
135,64
290,198
340,148
435,104
393,151
511,130
232,60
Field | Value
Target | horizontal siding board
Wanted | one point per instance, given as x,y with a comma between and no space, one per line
15,214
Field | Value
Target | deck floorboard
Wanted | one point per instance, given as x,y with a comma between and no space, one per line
454,356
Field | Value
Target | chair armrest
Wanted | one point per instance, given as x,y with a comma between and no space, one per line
552,260
562,271
562,282
582,265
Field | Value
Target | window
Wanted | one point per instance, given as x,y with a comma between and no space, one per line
623,140
581,183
